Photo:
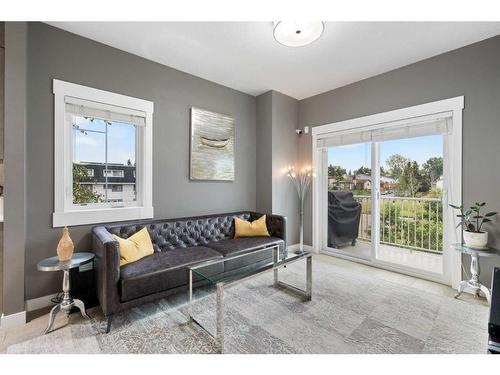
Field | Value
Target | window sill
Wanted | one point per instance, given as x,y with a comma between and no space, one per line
102,215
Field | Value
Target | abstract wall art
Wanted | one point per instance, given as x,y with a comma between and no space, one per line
212,146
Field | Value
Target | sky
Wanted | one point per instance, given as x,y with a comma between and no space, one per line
90,147
420,149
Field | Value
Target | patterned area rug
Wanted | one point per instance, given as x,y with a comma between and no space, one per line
350,313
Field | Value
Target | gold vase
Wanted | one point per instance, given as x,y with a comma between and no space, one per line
65,247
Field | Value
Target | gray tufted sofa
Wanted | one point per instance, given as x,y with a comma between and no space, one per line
178,243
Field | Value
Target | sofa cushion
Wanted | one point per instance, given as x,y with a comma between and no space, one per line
135,247
236,246
162,271
256,228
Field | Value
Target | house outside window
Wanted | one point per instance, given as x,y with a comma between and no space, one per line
103,169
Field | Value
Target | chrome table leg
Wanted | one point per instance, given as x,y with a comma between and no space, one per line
309,278
306,294
79,304
220,317
66,304
190,295
52,317
276,252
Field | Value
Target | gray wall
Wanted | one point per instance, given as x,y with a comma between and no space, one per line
472,71
53,53
264,176
15,163
285,152
277,148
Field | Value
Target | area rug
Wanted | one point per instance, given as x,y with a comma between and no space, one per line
350,312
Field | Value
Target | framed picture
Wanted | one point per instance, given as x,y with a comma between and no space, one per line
212,146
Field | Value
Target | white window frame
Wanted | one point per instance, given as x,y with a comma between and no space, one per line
65,212
452,195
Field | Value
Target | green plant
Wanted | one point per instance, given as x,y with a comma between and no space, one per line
471,220
81,193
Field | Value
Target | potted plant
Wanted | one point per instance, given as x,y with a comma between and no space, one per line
472,222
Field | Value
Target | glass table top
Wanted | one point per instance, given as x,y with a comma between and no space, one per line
470,250
211,270
54,264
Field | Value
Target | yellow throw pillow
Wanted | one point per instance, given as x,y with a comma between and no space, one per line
256,228
135,247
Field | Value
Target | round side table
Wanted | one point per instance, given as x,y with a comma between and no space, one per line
67,302
473,284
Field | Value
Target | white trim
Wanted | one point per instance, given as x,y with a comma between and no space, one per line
297,246
393,118
89,93
13,320
104,215
386,266
396,116
40,302
65,213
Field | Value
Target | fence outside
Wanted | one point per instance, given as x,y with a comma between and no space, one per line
412,223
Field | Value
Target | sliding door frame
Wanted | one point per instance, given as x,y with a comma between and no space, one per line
452,193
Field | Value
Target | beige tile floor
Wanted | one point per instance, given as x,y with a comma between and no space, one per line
37,320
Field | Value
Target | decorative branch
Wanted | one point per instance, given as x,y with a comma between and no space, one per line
301,180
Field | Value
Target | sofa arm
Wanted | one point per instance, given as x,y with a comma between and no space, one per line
107,260
276,224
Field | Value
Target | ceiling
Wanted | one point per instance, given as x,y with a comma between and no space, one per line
245,56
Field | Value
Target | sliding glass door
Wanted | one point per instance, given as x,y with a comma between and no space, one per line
384,196
349,199
410,200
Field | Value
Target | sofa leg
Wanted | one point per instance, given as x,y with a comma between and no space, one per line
110,319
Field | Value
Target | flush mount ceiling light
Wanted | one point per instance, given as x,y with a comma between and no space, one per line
296,33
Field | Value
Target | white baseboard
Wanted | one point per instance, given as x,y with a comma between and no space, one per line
13,320
296,247
40,302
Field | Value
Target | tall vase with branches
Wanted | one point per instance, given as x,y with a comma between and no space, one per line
301,180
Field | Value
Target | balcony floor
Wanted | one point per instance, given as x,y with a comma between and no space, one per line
418,260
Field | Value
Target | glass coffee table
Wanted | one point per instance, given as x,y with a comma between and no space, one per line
223,280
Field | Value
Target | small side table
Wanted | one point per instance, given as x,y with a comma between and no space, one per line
473,284
67,303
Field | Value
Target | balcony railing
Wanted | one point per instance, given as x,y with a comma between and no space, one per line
412,223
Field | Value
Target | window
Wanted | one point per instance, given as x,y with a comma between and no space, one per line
101,138
114,173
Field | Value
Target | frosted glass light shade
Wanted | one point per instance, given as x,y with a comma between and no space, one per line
296,33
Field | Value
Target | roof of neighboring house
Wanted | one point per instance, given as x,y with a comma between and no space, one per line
128,173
